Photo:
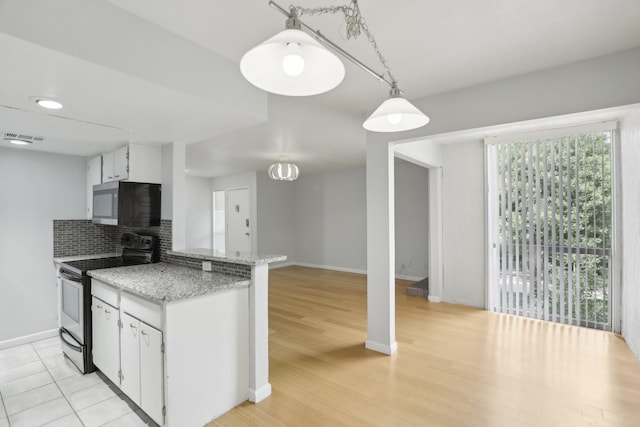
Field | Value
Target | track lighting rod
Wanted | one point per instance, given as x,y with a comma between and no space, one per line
322,39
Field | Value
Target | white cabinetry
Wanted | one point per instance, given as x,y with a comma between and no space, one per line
106,342
142,365
115,165
133,162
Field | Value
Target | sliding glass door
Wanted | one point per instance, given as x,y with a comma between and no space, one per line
550,225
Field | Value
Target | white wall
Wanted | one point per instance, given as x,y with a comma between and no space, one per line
276,218
630,180
199,212
412,219
35,189
330,219
167,181
463,216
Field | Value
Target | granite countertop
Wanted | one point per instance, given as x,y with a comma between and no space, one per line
164,283
234,257
59,260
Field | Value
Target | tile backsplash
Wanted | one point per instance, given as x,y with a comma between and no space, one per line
83,237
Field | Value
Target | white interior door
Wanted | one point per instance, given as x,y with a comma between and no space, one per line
238,218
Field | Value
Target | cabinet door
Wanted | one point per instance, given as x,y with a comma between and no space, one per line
130,357
151,372
107,167
121,164
106,338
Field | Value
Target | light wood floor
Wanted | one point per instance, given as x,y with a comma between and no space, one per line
455,366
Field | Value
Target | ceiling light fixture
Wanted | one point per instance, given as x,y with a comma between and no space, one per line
17,141
293,63
49,104
283,172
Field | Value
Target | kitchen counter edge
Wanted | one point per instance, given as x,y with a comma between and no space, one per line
165,283
238,258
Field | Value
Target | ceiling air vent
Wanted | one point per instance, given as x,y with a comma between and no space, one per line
20,138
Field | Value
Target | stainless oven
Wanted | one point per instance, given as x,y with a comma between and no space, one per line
72,319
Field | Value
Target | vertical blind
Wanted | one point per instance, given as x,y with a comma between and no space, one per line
550,225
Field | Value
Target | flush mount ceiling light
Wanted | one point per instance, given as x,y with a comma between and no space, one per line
292,63
283,171
49,104
17,141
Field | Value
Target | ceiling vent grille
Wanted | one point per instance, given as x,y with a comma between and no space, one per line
23,137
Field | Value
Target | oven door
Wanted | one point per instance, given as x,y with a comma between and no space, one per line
72,308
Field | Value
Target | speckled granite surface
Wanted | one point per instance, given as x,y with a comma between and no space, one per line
163,283
81,257
235,257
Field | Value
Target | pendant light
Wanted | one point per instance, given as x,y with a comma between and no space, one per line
292,63
396,114
283,172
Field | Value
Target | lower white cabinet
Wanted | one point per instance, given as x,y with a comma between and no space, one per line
106,338
141,365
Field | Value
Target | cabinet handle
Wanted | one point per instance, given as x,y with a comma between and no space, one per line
107,311
99,306
143,332
110,177
117,176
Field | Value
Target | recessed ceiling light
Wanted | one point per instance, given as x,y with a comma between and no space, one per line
18,141
49,103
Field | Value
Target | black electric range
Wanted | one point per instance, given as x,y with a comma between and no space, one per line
75,316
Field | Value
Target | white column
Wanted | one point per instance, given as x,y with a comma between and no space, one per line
259,387
179,223
436,276
381,334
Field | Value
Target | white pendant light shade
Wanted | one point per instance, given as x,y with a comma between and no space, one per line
396,114
283,172
292,63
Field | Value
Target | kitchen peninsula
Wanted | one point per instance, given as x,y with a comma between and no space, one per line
208,314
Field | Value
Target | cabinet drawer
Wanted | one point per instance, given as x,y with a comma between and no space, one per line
149,312
106,293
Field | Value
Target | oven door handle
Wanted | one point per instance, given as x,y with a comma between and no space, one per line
73,346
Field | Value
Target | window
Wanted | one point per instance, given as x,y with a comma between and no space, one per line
550,225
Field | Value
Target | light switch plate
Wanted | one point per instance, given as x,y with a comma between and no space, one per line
206,265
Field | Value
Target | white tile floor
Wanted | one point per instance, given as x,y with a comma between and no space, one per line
40,387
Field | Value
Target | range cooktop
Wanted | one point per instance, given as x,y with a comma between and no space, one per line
82,266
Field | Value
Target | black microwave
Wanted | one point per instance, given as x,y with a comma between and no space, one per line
134,204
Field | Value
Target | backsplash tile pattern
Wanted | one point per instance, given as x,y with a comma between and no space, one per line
83,237
240,270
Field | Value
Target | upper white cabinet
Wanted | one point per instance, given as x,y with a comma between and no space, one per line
94,177
133,162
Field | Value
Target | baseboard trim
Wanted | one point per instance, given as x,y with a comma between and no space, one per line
346,270
331,267
260,394
381,348
274,265
412,278
28,338
434,298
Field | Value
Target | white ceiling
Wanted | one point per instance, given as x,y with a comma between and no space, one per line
154,71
